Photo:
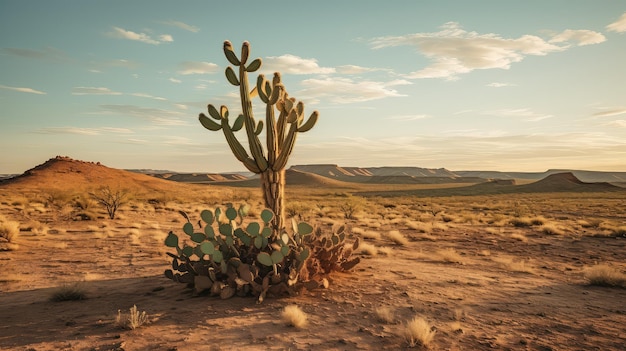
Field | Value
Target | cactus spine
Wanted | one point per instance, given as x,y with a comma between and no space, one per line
280,132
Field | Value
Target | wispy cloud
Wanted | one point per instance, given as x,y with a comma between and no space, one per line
618,26
48,54
345,91
455,51
117,63
194,67
620,123
182,25
291,64
611,112
353,69
500,85
156,116
174,80
83,131
121,33
524,113
579,37
23,90
408,117
149,96
93,91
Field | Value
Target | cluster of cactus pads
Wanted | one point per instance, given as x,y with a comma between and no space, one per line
224,256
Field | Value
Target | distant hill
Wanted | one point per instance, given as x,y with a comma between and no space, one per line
553,183
585,176
294,178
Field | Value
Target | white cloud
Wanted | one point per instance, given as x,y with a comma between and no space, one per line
454,51
47,54
93,91
408,117
136,141
182,25
290,64
500,85
611,112
618,26
23,90
194,67
524,113
580,37
181,106
174,80
344,90
149,96
83,131
353,69
620,123
156,116
121,33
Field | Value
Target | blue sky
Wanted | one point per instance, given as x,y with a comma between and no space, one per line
464,85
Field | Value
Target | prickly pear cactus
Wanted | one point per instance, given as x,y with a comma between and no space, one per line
233,257
281,131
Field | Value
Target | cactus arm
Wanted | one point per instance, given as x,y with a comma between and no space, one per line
238,150
310,123
285,151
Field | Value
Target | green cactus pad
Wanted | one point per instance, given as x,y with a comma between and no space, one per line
197,237
187,251
267,215
266,232
171,240
209,232
277,257
231,76
188,228
304,228
207,216
265,259
213,112
238,123
253,229
258,242
254,65
207,248
208,123
226,229
231,213
217,256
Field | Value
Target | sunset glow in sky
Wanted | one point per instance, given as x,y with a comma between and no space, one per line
463,85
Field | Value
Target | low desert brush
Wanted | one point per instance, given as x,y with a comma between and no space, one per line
368,249
293,316
418,332
386,314
450,255
69,292
605,275
397,237
133,320
9,230
550,228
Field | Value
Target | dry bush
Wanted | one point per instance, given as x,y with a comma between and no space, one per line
397,237
591,223
293,316
71,292
421,227
351,206
418,332
449,255
513,265
551,228
9,230
387,251
605,275
439,226
133,320
521,222
519,237
368,249
385,314
370,234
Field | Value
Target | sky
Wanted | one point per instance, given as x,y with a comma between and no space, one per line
464,85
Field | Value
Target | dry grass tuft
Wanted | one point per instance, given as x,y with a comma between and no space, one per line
605,275
385,250
550,228
368,249
133,320
418,332
515,266
397,237
72,292
385,314
9,230
519,237
294,316
370,234
450,255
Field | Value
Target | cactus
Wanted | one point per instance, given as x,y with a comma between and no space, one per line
280,132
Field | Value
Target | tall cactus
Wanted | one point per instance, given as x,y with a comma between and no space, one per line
280,133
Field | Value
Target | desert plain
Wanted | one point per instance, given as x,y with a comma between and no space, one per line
533,266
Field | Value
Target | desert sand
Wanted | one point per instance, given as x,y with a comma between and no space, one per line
491,271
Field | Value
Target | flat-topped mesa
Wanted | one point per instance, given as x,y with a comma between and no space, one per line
281,131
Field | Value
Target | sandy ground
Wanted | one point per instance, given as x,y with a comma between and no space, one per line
501,294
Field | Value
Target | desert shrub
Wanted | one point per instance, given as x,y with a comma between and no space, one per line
552,229
351,206
9,230
68,292
521,222
133,320
293,316
294,209
385,314
418,332
397,237
605,275
112,200
226,258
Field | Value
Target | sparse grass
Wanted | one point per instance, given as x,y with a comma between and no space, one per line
9,230
552,229
605,275
519,237
293,316
387,251
370,234
513,265
385,314
69,292
418,332
397,237
421,227
133,320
